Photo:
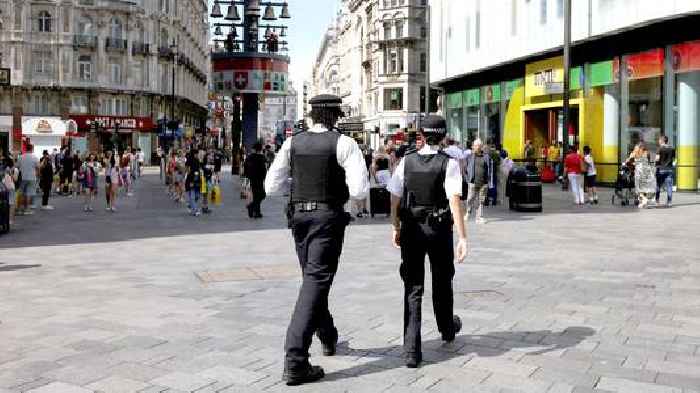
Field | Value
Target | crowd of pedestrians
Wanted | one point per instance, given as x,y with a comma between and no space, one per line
192,175
67,174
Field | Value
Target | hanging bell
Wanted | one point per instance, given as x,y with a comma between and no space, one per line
264,47
232,13
217,31
237,47
216,11
269,13
285,11
268,32
233,32
283,33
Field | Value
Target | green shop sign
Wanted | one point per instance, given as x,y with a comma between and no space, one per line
601,74
471,97
454,100
492,93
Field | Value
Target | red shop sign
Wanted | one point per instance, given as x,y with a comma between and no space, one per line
85,122
686,56
643,65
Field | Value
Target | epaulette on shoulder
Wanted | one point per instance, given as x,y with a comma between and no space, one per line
298,132
411,150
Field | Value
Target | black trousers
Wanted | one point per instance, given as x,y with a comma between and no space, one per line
319,241
257,188
417,240
45,192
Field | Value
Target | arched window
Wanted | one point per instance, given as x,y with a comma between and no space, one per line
44,22
116,28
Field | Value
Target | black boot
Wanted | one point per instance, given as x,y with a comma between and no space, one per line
413,360
294,376
457,322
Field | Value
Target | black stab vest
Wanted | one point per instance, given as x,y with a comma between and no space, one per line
424,180
316,174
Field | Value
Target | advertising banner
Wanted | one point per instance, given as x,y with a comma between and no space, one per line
254,75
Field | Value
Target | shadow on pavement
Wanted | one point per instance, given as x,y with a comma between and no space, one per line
12,268
487,345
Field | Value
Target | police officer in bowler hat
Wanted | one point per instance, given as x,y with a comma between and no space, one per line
426,188
326,169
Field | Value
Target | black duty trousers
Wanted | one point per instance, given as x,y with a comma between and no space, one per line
417,240
319,241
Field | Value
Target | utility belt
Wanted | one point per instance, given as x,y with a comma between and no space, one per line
308,207
430,215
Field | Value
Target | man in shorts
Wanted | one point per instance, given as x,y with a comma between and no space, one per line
28,166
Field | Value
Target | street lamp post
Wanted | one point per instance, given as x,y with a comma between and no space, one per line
173,48
567,76
255,51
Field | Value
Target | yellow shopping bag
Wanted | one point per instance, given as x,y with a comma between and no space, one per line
203,185
216,195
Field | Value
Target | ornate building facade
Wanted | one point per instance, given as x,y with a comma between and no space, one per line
374,55
104,67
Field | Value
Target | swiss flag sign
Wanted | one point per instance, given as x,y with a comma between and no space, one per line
240,80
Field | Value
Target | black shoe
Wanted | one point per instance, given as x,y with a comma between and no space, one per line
413,360
258,215
250,211
457,323
328,347
303,375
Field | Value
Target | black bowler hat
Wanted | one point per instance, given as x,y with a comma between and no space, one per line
325,101
434,125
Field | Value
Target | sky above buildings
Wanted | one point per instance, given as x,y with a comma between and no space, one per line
310,19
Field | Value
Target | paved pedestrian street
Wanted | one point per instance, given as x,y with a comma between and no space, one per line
148,299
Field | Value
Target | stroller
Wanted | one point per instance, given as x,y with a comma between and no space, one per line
624,187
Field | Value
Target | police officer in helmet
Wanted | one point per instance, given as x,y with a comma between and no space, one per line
326,169
425,205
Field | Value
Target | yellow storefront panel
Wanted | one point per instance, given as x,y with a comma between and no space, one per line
688,167
513,137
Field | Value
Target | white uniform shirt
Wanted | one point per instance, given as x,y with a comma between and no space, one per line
349,158
453,176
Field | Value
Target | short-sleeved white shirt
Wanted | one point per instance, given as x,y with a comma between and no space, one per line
453,176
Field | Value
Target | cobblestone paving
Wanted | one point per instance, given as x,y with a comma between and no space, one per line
573,300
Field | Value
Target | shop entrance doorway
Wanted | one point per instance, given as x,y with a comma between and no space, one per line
544,127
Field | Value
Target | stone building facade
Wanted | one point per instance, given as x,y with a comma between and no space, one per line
374,55
104,66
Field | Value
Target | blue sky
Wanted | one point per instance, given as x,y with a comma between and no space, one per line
309,21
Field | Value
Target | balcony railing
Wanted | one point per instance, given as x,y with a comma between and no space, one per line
140,49
115,44
85,41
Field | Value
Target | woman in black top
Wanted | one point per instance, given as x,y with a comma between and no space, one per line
45,180
193,181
